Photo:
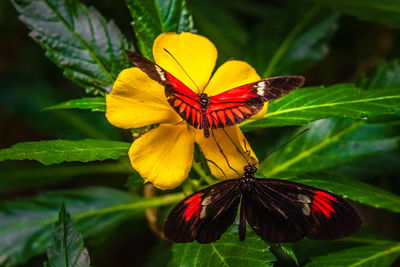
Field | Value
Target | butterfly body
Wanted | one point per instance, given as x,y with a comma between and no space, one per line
277,210
225,109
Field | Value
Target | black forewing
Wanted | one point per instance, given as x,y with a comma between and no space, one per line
276,87
154,71
282,211
218,209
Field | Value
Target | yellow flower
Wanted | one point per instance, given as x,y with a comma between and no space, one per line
164,155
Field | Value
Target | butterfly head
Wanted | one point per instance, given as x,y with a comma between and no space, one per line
204,100
249,170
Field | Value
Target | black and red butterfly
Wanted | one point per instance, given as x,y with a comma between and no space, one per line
279,211
228,108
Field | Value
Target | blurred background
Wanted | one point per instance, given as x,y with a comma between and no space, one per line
30,82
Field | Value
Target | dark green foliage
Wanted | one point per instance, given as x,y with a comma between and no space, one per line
384,11
296,40
67,249
26,225
332,142
78,39
351,149
151,18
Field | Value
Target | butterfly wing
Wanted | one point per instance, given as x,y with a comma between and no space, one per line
240,103
205,215
184,101
282,211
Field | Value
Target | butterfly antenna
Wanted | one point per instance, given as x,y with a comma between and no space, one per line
247,150
222,152
216,165
182,69
237,148
279,147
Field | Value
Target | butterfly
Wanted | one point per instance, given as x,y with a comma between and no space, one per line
225,109
279,211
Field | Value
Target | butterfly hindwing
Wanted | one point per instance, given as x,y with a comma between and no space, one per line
205,215
240,103
282,211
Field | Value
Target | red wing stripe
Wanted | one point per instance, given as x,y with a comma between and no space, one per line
182,107
322,203
194,206
221,116
199,119
177,102
194,117
326,195
244,109
229,114
237,113
210,120
188,109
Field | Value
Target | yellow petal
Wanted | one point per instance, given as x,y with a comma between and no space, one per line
236,160
164,155
231,74
195,53
137,101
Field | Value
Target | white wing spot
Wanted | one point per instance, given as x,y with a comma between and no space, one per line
303,198
203,212
260,88
306,209
206,201
160,72
306,201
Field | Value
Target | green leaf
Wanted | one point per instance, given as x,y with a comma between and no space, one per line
365,256
57,151
330,143
26,225
312,103
78,39
289,251
67,248
354,190
290,41
20,98
386,74
92,103
151,18
383,11
228,251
